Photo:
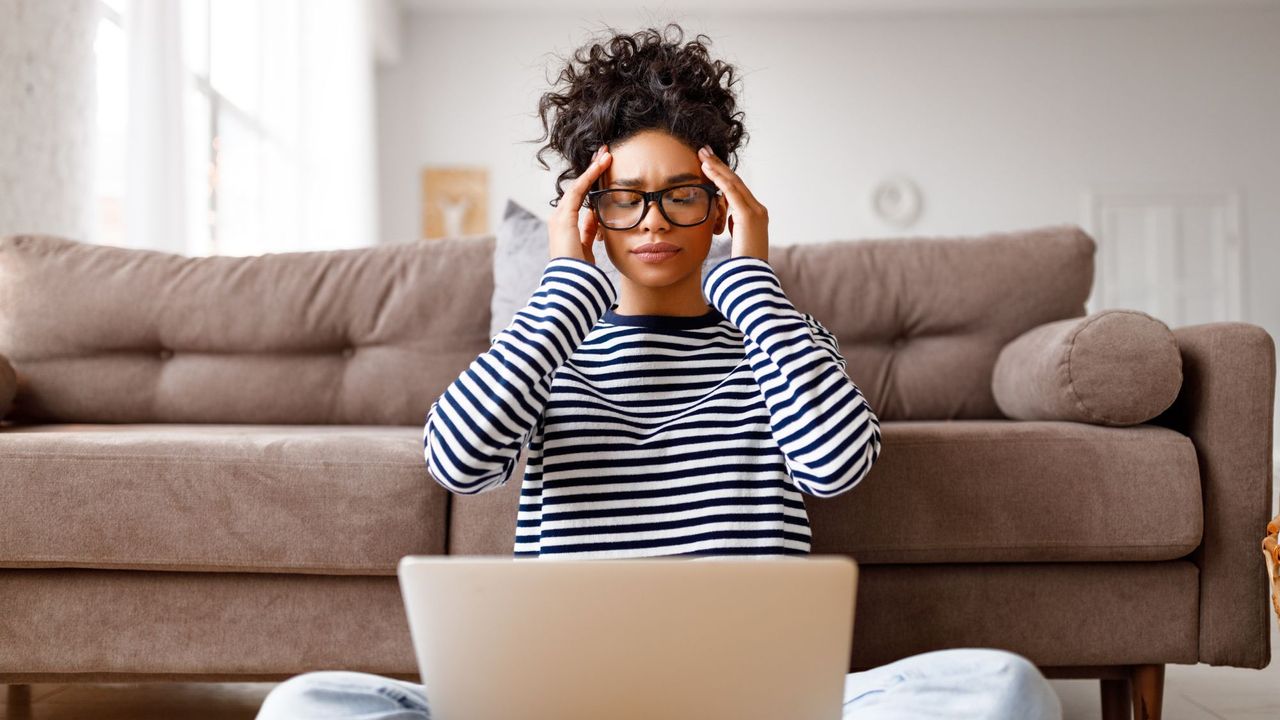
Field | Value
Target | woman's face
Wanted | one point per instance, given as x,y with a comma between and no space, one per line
654,160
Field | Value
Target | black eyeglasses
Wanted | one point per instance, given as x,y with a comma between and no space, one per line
682,205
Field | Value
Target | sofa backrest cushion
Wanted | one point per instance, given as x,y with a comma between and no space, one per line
364,336
921,320
375,335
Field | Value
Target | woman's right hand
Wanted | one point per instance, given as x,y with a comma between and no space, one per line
571,233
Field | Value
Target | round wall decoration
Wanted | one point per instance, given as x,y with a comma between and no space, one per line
896,200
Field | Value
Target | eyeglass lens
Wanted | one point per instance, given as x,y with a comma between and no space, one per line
620,209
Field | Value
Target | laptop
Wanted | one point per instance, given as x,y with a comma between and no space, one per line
724,638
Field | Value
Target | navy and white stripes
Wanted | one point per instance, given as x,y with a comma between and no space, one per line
656,435
819,417
474,432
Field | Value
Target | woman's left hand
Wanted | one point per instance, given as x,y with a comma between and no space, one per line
751,236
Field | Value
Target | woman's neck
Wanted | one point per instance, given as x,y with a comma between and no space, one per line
679,299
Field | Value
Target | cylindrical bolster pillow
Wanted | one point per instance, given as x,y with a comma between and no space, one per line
8,385
1114,367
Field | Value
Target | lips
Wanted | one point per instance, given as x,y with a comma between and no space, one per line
656,247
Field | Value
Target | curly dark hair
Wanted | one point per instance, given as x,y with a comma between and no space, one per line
614,88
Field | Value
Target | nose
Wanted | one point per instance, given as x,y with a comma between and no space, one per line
653,218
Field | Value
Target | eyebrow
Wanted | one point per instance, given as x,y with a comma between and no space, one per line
636,182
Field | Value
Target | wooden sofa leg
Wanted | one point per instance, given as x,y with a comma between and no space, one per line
1115,698
19,700
1147,683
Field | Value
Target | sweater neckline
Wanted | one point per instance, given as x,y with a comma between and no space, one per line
664,322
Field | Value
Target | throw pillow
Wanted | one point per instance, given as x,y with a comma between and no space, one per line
1114,367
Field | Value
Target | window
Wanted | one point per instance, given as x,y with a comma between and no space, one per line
242,125
235,127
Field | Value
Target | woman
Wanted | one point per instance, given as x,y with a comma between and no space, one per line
659,425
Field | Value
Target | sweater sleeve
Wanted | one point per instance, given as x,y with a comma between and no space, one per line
822,423
475,431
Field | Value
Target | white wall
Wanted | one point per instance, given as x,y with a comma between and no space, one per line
1003,119
47,98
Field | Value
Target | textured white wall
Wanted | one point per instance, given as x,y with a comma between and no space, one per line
46,115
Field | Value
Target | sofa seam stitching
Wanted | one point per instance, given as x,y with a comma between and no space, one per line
1098,417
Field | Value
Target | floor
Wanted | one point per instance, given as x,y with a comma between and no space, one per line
1192,692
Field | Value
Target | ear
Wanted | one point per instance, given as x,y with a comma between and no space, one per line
721,214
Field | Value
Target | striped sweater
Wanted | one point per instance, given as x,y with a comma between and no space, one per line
652,435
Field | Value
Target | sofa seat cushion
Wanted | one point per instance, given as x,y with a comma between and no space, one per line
331,499
969,491
1018,491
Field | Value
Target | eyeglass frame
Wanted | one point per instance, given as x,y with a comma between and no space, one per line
651,196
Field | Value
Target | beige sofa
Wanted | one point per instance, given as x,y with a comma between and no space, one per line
211,466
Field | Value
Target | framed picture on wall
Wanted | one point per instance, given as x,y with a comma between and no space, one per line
455,201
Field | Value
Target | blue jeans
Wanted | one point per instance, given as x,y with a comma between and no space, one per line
956,683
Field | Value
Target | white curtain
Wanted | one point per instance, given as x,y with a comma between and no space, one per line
155,202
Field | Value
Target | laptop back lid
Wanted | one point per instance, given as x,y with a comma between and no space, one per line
631,639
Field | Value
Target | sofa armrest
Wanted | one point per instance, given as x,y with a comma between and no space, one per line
1226,407
8,386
